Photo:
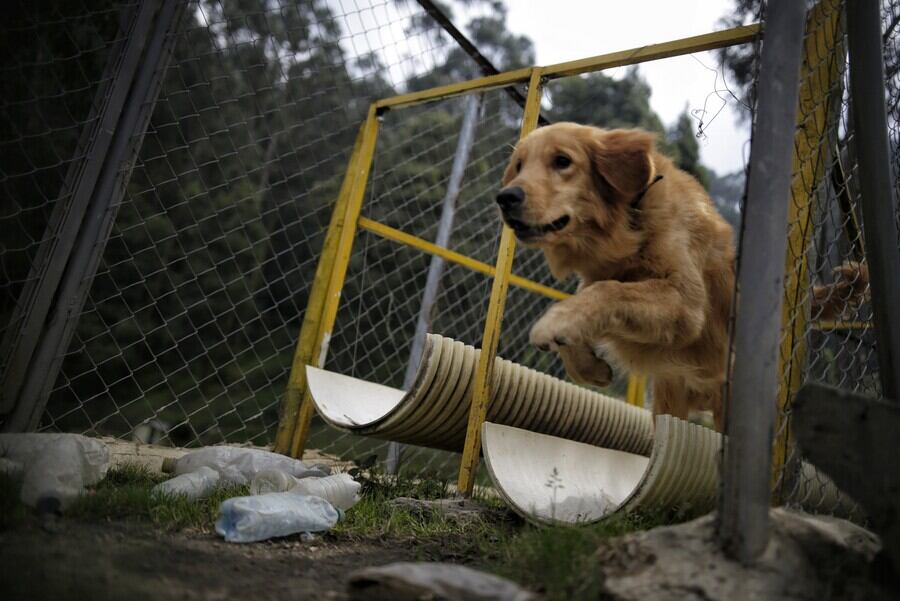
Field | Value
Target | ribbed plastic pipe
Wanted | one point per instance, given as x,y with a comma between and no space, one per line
434,413
550,480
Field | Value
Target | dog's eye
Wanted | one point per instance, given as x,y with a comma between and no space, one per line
518,166
561,161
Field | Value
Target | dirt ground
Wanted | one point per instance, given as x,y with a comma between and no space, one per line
133,561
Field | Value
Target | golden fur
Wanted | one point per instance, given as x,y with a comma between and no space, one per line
654,258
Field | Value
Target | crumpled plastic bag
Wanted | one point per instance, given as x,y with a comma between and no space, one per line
260,517
238,465
56,467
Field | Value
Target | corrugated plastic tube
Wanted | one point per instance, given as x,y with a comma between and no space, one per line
434,412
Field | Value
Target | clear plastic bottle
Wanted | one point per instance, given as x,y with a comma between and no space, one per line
193,485
251,519
239,464
340,489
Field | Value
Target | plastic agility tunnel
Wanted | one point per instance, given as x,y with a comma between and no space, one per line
556,452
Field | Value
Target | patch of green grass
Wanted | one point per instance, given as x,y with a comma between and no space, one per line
556,561
435,534
559,561
126,493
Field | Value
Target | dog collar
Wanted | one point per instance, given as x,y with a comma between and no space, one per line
637,199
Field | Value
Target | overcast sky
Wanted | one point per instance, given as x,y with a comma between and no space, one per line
568,29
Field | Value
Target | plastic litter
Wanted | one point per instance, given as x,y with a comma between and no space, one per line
193,485
10,467
56,467
256,518
340,489
238,465
268,481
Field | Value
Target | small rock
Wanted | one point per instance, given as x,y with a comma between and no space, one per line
417,581
808,558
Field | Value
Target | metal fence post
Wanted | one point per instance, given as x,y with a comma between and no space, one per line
481,393
307,340
74,251
436,267
346,227
877,193
822,63
750,414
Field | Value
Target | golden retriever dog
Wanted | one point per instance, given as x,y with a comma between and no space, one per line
654,258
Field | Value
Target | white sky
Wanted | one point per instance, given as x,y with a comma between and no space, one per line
569,29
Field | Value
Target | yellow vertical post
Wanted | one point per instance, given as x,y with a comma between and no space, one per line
481,393
348,228
637,387
325,296
307,341
819,86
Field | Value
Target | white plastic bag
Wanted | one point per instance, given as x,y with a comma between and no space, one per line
57,467
193,485
251,519
238,465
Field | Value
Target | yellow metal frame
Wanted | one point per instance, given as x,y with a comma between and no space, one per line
820,76
321,311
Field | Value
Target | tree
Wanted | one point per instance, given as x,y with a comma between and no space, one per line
685,150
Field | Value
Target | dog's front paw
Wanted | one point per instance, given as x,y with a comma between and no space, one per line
558,327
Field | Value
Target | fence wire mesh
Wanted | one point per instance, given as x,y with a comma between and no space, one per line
827,333
189,329
191,322
56,59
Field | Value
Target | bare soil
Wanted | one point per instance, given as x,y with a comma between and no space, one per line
68,559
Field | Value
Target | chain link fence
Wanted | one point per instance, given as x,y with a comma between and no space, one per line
189,328
188,331
827,331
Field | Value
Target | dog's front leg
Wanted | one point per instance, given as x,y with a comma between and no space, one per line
655,311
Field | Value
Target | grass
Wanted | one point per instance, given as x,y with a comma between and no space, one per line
126,493
555,561
559,562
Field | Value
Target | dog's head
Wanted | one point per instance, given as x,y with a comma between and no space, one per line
568,181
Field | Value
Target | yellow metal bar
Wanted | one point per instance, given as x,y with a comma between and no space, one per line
479,84
346,228
481,393
386,231
832,326
823,55
307,340
637,387
699,43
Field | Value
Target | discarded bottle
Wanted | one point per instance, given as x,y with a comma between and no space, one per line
193,485
268,481
251,519
340,490
238,465
56,467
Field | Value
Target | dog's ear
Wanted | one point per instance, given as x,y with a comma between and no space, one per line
621,160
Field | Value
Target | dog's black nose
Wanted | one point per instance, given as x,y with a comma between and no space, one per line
510,198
